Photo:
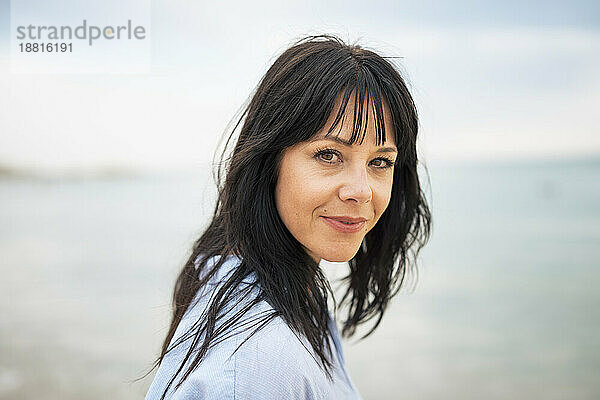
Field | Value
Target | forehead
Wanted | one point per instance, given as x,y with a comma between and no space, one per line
367,123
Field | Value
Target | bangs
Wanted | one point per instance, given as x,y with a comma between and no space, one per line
366,92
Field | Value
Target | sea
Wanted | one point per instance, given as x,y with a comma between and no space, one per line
503,302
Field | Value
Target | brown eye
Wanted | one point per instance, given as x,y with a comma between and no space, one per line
383,163
326,155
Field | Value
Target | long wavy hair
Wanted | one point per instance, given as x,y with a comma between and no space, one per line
290,104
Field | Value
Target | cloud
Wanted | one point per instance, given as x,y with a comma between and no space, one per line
483,91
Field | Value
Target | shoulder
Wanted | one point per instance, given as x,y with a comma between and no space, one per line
275,363
271,362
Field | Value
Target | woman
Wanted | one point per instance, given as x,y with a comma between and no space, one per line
325,167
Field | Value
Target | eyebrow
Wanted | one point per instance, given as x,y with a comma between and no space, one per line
346,143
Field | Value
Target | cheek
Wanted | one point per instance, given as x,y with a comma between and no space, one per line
382,194
300,190
295,196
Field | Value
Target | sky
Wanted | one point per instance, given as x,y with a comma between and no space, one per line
492,81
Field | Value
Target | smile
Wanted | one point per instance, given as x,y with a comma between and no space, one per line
344,227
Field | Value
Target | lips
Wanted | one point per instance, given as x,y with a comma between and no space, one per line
347,219
345,224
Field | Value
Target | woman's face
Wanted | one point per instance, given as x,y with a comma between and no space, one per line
330,194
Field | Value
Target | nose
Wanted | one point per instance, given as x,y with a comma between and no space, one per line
356,186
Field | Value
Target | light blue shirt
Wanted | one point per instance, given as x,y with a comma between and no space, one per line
271,364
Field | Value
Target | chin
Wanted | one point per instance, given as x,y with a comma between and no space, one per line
342,255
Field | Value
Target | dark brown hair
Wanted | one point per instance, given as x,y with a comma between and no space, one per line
291,103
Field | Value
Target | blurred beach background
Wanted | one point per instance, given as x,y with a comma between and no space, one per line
105,182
